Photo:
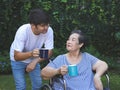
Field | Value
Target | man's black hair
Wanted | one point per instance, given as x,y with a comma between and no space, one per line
38,16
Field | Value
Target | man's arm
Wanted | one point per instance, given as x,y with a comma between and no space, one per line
20,56
50,53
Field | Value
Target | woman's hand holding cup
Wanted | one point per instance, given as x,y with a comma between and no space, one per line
63,70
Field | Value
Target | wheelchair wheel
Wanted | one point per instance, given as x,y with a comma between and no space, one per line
46,87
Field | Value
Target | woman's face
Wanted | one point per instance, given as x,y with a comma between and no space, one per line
72,43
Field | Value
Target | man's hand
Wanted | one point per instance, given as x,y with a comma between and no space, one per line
35,53
32,65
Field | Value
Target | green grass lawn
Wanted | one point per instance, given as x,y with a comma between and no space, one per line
114,81
7,82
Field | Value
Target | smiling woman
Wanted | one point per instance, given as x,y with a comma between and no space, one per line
85,63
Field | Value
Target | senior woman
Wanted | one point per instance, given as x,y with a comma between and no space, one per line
86,64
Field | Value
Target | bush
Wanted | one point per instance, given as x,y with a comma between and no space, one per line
5,67
110,60
99,19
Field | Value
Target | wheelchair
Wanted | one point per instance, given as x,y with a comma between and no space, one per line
59,78
49,85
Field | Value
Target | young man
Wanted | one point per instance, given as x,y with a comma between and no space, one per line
24,51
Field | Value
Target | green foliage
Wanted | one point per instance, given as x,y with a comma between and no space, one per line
111,61
117,36
58,51
99,19
5,67
92,50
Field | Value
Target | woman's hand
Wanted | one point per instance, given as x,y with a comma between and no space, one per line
98,82
63,70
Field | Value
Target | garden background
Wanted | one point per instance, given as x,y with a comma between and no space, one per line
99,19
